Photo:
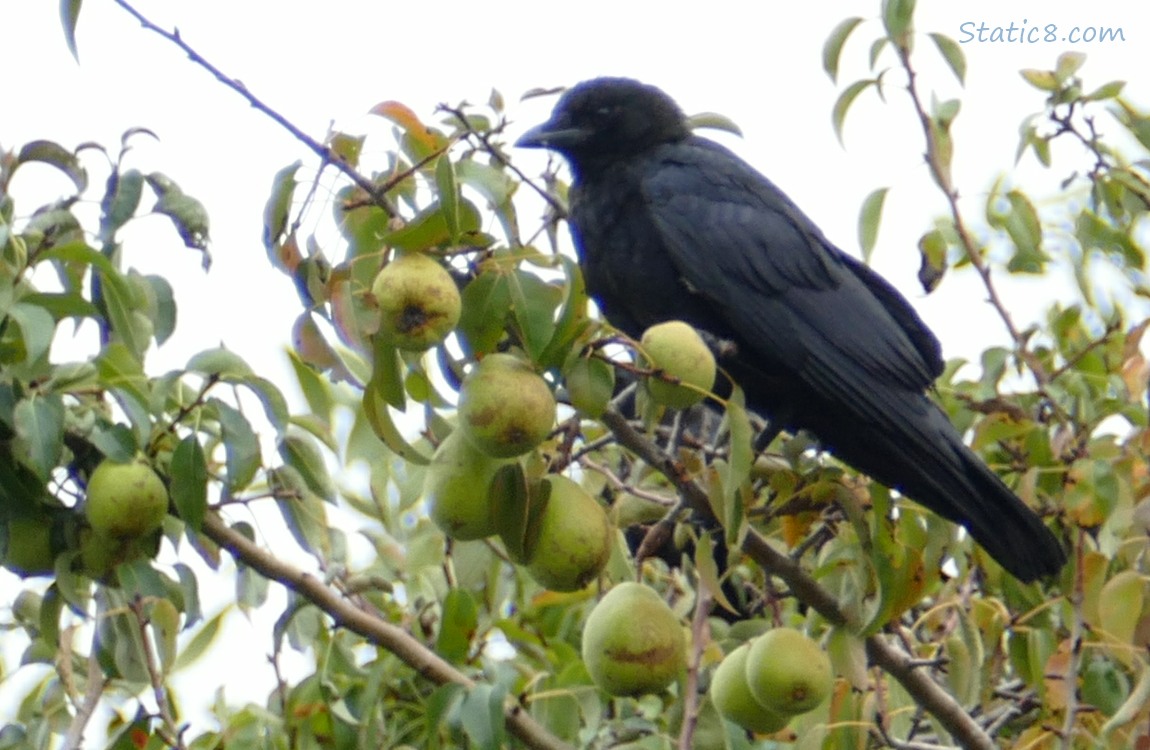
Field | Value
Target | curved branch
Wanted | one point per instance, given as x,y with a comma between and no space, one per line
898,664
395,639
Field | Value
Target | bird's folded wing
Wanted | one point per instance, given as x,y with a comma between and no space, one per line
793,297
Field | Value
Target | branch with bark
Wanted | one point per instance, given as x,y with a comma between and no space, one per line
347,614
895,662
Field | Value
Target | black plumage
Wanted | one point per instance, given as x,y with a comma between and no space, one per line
669,225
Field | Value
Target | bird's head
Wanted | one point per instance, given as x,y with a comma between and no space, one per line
605,118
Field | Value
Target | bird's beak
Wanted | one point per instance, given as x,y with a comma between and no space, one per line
552,135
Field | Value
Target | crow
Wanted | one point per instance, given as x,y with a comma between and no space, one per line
668,225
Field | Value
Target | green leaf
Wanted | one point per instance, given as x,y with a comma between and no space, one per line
120,368
590,384
164,313
189,485
276,212
189,593
870,216
496,186
275,406
316,390
897,16
482,716
37,328
120,202
301,453
219,362
833,47
1043,80
486,302
1020,221
952,53
251,587
69,16
1106,91
843,104
55,155
533,304
200,643
1068,64
39,425
303,511
375,410
241,446
713,121
458,623
165,621
742,449
187,214
346,148
126,313
429,229
62,305
1120,606
709,572
447,187
387,374
932,247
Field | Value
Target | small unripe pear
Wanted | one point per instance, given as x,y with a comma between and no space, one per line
732,696
419,303
125,501
28,545
505,407
455,488
674,349
632,642
787,672
574,538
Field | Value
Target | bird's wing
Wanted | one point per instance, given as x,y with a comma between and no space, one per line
795,299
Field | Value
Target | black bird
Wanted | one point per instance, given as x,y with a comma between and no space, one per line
669,225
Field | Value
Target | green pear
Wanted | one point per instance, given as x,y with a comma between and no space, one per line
787,672
632,642
573,541
675,350
456,489
732,697
419,302
125,501
505,407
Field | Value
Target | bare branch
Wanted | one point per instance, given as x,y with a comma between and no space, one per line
377,192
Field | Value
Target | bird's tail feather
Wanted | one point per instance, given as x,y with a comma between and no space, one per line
928,462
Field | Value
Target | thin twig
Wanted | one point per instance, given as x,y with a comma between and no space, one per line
700,637
941,174
558,208
328,156
93,691
171,734
1074,664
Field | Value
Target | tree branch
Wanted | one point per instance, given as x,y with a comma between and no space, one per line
899,665
378,193
345,614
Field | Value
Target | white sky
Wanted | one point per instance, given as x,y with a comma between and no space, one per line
756,62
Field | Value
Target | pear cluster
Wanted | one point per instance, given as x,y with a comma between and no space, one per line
766,681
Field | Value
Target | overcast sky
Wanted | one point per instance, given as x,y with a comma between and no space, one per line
758,62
